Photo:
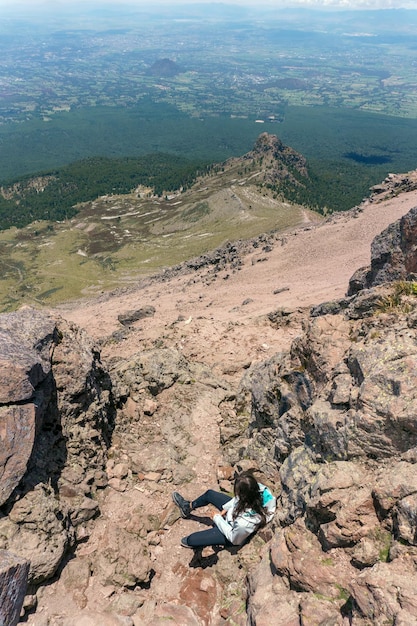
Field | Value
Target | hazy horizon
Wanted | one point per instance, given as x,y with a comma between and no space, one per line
55,5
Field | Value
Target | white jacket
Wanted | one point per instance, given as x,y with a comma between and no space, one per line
239,529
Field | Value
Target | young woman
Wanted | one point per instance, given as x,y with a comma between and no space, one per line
253,506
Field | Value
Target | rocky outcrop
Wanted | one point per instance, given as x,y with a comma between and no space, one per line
56,423
393,255
347,454
393,185
337,416
287,164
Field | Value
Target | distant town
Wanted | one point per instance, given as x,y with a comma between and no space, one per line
207,67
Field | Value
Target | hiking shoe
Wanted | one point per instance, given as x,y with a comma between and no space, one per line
183,504
184,543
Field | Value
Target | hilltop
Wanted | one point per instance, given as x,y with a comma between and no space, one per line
116,238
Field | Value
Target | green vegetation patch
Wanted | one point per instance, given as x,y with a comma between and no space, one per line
194,214
86,180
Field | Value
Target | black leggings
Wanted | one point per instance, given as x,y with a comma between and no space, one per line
212,536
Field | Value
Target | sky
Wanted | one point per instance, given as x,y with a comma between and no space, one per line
336,4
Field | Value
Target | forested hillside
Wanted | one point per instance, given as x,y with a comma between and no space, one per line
24,201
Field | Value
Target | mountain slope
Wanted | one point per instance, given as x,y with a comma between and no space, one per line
116,239
200,385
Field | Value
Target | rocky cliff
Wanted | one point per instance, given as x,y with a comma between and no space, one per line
93,446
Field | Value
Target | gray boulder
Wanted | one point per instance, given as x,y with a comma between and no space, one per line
393,255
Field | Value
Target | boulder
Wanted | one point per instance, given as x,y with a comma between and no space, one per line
133,316
56,427
26,337
393,255
386,592
17,436
342,505
297,556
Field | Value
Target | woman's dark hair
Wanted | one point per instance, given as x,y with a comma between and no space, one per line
247,490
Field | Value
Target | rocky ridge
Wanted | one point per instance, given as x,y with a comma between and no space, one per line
327,421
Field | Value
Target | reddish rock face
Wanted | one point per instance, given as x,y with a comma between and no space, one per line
17,435
25,340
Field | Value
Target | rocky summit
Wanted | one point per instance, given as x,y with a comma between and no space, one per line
108,406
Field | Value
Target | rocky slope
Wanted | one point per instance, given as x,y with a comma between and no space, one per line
318,397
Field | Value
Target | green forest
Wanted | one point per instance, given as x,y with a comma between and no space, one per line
347,151
88,179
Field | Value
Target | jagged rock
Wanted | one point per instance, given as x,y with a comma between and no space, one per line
63,442
16,443
13,581
133,316
270,601
366,553
26,338
394,483
322,346
296,554
297,474
406,519
151,370
393,255
33,530
386,592
342,506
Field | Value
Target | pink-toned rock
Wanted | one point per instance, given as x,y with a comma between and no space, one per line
97,618
314,610
270,601
169,613
394,483
149,406
120,470
131,408
117,484
153,476
387,590
355,519
17,435
15,384
225,472
199,592
26,337
297,555
13,581
226,486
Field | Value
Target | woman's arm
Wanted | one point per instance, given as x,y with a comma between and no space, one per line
240,529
